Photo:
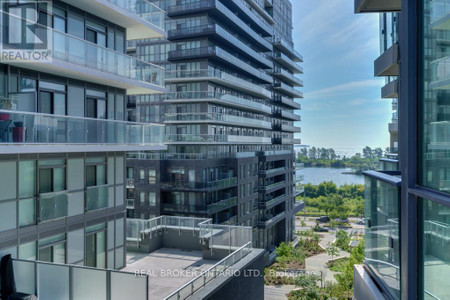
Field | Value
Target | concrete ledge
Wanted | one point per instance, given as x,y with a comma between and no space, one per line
363,285
370,6
247,283
387,63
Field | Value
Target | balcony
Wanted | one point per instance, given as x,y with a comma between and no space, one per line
225,37
273,172
59,281
272,187
221,205
379,6
219,98
79,59
382,249
25,132
217,9
298,191
249,16
289,102
53,206
271,221
221,55
288,63
216,118
272,202
393,127
286,115
290,128
182,209
216,139
440,15
389,164
288,49
440,74
219,77
141,18
97,197
200,186
286,141
286,76
298,207
390,90
387,63
288,90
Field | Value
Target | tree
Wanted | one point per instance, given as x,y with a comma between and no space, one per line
367,152
378,152
304,151
342,240
313,153
332,250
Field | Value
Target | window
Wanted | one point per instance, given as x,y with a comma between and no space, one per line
96,246
152,199
151,176
142,198
130,173
95,171
53,249
27,251
52,176
141,174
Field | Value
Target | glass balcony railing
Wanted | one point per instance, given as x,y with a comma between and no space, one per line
288,76
201,5
271,202
73,50
272,171
286,101
217,138
228,78
272,185
288,90
34,128
212,185
382,211
143,9
440,71
53,206
230,38
181,208
271,220
294,54
97,197
438,10
288,63
221,205
58,281
217,117
290,128
227,98
220,53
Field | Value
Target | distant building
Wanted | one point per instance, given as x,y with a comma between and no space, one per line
230,118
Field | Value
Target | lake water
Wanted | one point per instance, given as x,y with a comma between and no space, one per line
318,175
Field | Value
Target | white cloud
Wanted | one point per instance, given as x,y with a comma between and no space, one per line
343,89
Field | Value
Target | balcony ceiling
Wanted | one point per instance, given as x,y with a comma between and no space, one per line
369,6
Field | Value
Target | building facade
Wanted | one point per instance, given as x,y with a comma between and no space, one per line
230,118
63,128
407,211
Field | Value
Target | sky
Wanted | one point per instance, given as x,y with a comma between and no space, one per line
342,106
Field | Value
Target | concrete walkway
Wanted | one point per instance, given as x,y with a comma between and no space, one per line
277,292
317,263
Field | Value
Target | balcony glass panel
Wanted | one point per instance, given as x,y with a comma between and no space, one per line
144,9
216,117
70,49
382,248
35,128
436,245
243,102
53,206
97,197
